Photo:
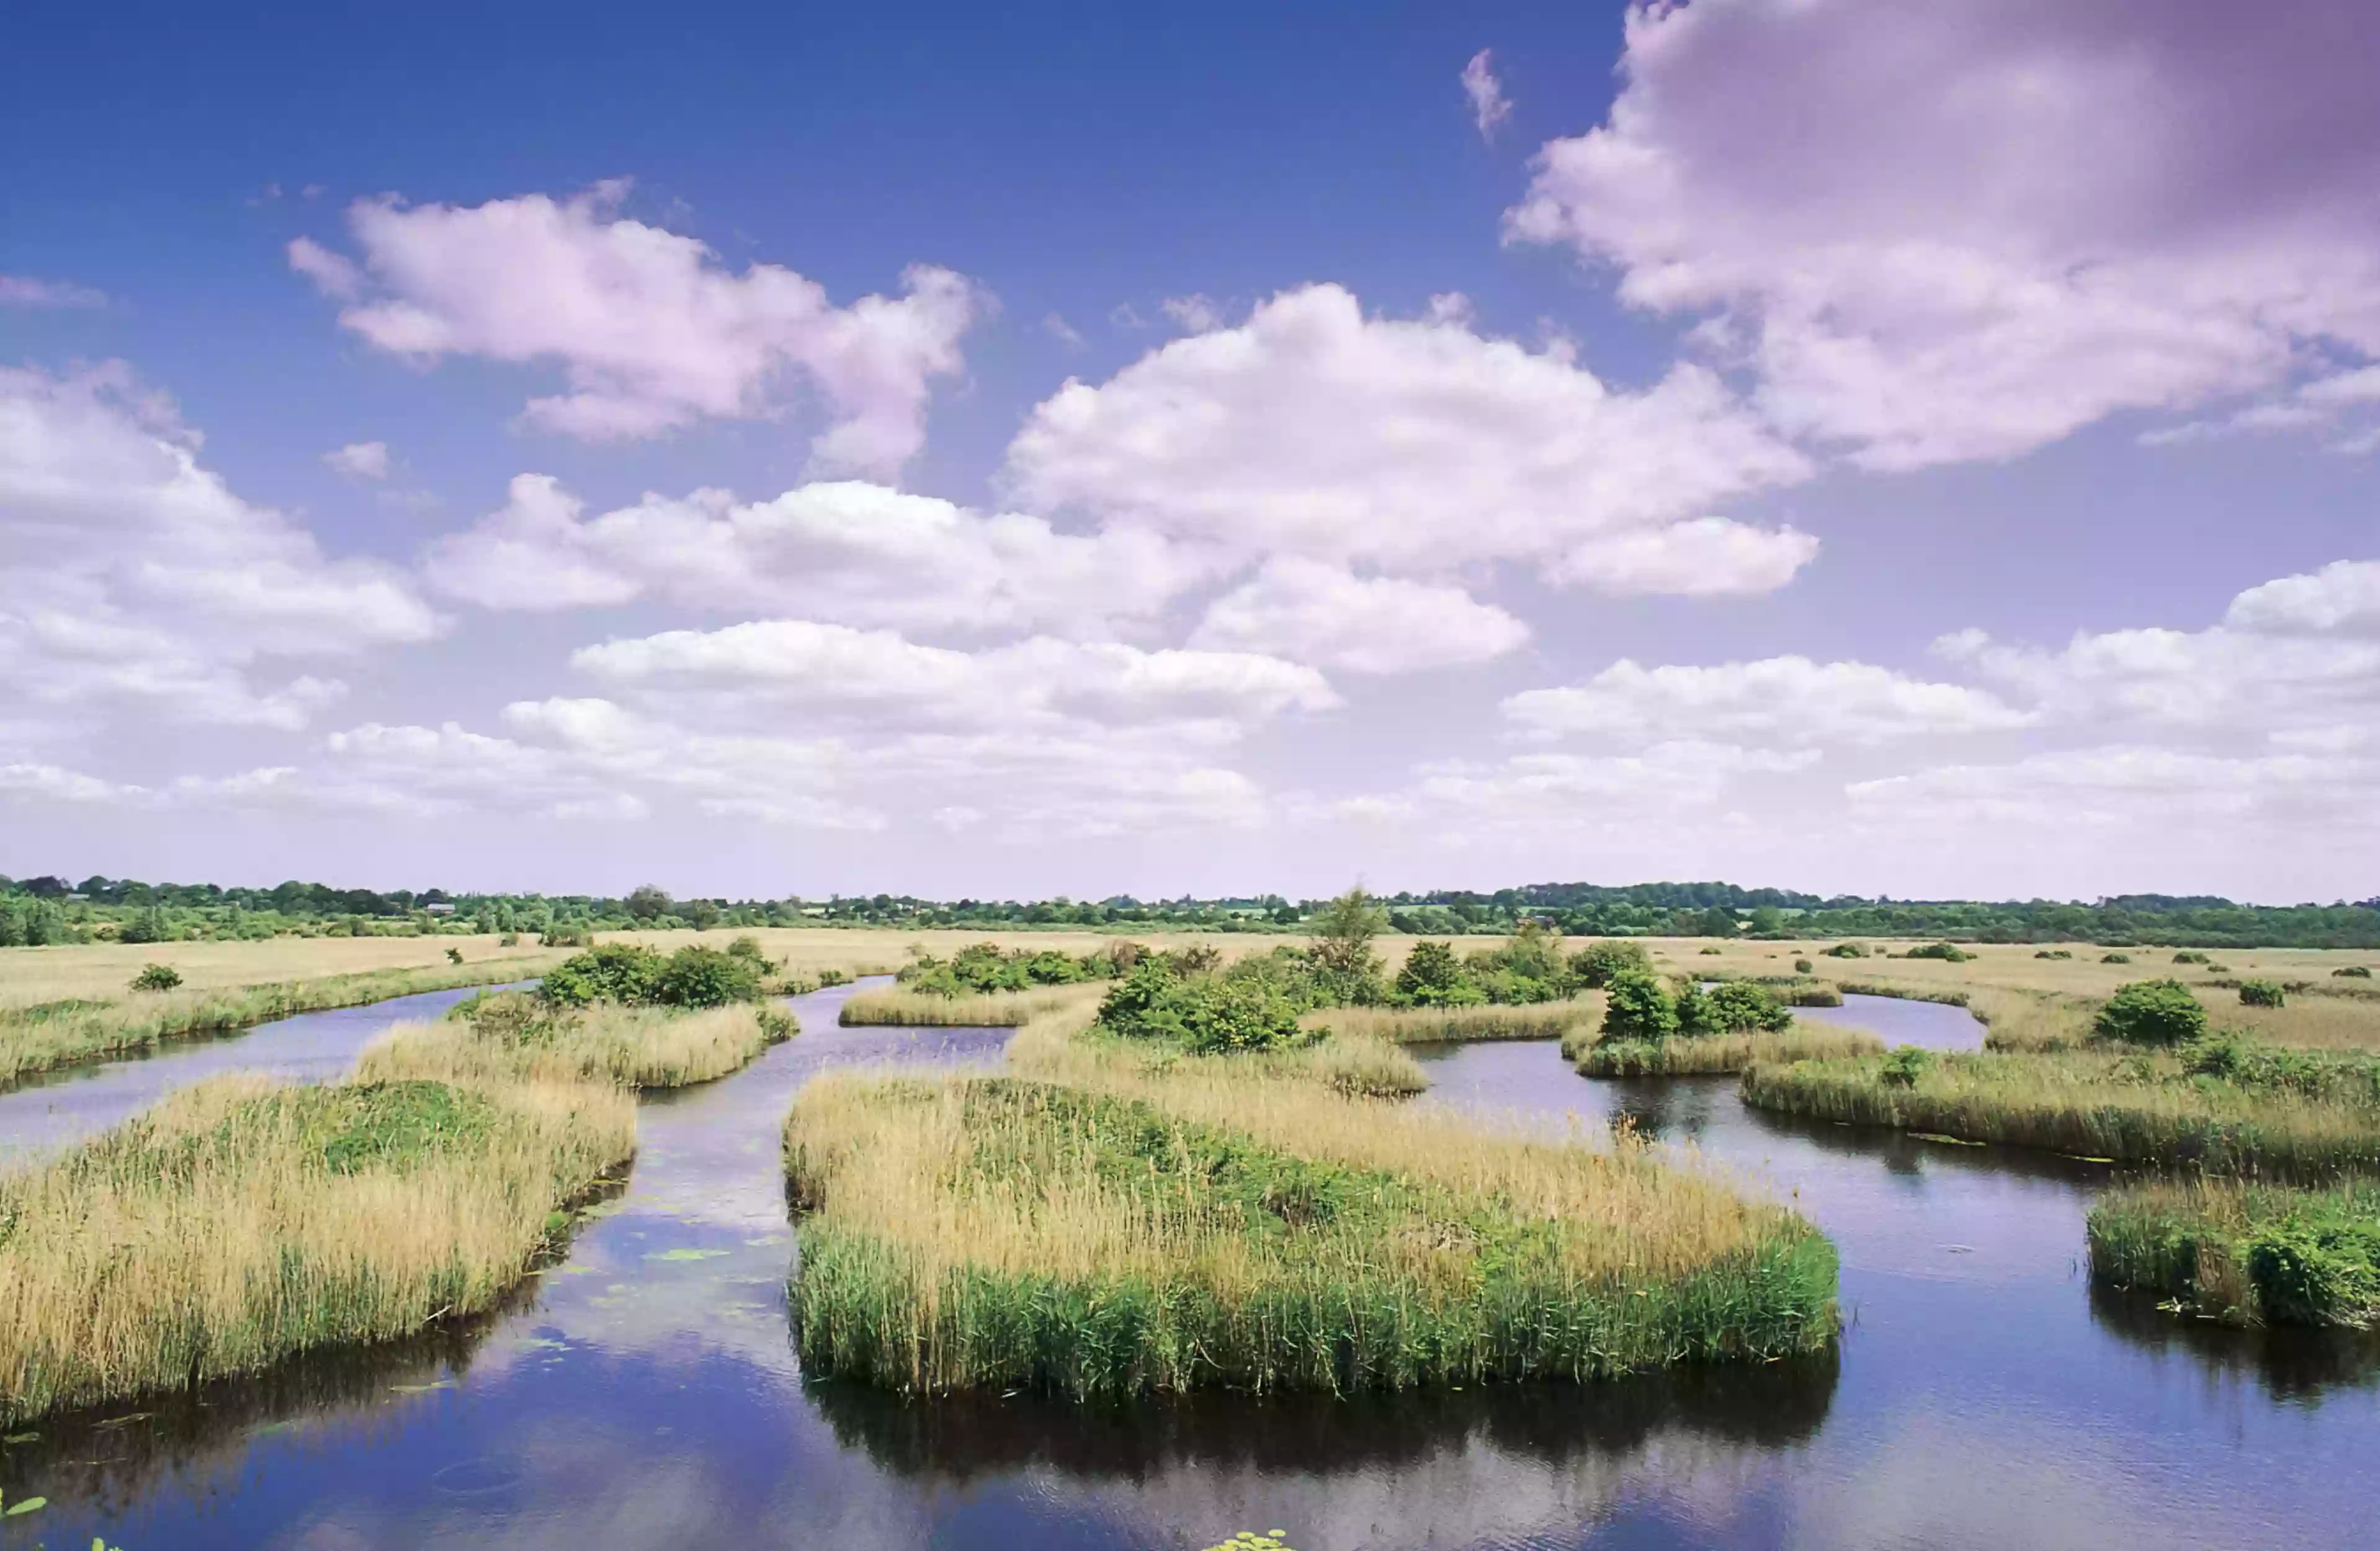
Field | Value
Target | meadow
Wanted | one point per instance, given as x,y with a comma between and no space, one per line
241,1222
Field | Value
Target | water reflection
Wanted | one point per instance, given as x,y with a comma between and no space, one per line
2300,1366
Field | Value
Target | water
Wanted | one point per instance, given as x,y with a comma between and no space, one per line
1936,1025
53,1110
645,1394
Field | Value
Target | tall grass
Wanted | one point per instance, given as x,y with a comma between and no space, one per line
2131,1108
982,1232
2245,1253
1410,1026
1718,1053
993,1010
44,1035
240,1222
636,1046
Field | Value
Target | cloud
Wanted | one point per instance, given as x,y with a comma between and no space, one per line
359,460
2344,595
1062,331
2135,787
1415,445
1319,613
1702,557
1197,313
129,572
1776,702
887,678
23,290
1490,106
1627,797
1992,222
848,552
652,331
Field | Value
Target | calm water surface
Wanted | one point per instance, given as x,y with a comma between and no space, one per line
645,1394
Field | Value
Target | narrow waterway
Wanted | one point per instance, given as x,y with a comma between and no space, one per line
645,1393
53,1110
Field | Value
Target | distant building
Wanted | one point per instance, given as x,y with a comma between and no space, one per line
439,909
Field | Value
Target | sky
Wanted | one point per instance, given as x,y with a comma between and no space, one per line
1833,444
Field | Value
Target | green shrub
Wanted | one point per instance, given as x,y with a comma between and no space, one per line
1948,953
2053,953
2151,1012
707,978
1741,1006
2356,971
454,955
1432,976
1845,950
1710,951
2188,957
568,937
1637,1007
1904,1066
2115,958
147,926
1803,966
621,972
157,977
1595,965
2316,1269
2261,993
747,948
1205,1014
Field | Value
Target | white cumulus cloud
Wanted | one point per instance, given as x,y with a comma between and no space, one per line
1319,613
1777,701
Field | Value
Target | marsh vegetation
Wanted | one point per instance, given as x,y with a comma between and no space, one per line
2245,1253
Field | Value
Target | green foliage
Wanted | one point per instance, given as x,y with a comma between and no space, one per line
2053,953
634,975
2317,1268
1711,950
2353,971
1343,933
2261,993
566,937
1636,1007
1743,1007
748,948
1433,976
1803,966
707,978
157,977
646,903
1845,950
1205,1014
1527,968
1594,965
983,968
2115,958
1948,953
1904,1066
148,926
2188,957
2245,1253
2151,1012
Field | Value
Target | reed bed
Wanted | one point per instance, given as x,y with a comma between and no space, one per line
1719,1054
240,1222
1421,1025
635,1047
2245,1253
2135,1108
993,1010
39,1037
1242,1231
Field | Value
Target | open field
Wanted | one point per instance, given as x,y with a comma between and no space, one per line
2134,1107
1716,1054
2245,1253
992,1232
513,1040
241,1222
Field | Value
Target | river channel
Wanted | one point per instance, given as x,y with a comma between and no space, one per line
644,1393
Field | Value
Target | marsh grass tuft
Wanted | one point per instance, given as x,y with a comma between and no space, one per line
511,1036
241,1222
996,1232
2245,1253
902,1009
1407,1025
1718,1053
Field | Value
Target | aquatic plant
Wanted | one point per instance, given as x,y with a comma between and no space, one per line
2151,1012
240,1222
2245,1253
998,1233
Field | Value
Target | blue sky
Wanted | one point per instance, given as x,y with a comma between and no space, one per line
1285,445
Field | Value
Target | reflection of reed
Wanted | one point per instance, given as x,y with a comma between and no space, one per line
1903,1152
2288,1363
962,1437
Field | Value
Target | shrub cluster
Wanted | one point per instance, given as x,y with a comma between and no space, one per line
2115,958
1845,950
2261,993
2151,1012
2188,956
633,975
2354,972
1595,965
1527,969
1948,953
2053,953
1639,1008
1252,1007
157,977
984,967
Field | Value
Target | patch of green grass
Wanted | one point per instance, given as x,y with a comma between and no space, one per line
1716,1053
2245,1253
993,1233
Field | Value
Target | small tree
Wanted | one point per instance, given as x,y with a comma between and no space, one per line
707,978
1342,932
1636,1007
1432,976
2151,1012
647,901
1596,965
1741,1006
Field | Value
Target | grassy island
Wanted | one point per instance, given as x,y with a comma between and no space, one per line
240,1222
2245,1253
513,1036
1716,1054
1123,1216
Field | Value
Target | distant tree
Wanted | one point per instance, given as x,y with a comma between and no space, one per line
648,903
1597,964
1342,932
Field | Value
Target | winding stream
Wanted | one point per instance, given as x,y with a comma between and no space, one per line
645,1394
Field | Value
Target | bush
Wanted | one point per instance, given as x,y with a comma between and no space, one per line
1904,1066
1948,953
2187,957
1845,950
1637,1008
454,955
707,978
621,972
1433,976
2053,953
2151,1012
1742,1007
157,977
1803,966
568,937
148,927
747,948
1709,951
2115,958
1206,1013
1595,965
2261,993
2356,971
